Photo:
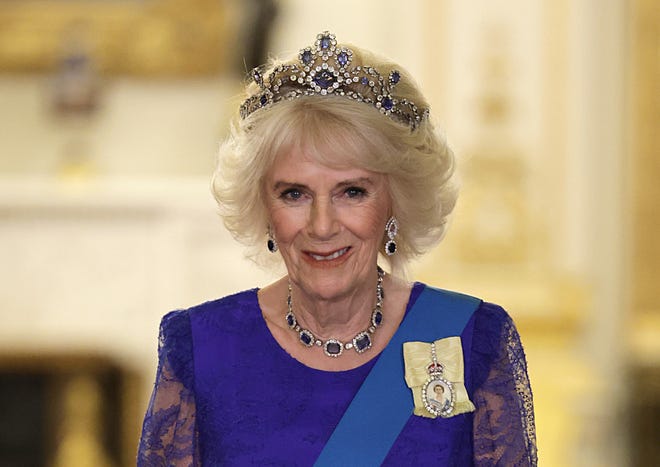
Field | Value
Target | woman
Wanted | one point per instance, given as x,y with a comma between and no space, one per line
333,166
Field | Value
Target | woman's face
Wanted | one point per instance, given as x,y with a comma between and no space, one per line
329,223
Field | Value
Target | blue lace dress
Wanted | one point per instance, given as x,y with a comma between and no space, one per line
226,393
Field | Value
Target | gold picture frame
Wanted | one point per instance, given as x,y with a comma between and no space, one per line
126,37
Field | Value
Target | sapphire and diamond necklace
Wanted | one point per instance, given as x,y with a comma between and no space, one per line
334,347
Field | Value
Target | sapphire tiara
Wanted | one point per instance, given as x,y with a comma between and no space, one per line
325,69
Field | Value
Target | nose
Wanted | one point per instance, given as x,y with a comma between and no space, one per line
323,222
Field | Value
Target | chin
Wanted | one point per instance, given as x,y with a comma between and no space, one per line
329,282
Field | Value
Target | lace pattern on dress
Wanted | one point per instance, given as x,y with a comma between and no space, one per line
523,388
169,436
503,432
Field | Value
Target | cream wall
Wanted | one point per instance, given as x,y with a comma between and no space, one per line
143,127
107,223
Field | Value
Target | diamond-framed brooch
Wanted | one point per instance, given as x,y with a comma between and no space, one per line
438,394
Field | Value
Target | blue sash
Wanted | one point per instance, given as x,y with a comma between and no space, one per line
383,404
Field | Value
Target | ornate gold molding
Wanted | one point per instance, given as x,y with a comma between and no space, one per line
158,37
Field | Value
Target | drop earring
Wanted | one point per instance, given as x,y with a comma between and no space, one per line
391,229
272,244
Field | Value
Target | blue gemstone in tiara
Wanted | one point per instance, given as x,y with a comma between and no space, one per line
306,57
324,80
325,41
325,69
342,58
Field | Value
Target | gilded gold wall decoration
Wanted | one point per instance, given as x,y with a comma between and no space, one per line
159,37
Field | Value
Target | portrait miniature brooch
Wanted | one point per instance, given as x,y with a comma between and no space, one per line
435,374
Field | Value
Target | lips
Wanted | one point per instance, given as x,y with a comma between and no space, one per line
330,256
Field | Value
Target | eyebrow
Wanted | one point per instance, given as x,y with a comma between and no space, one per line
353,181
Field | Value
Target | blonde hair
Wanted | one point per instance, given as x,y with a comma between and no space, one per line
339,132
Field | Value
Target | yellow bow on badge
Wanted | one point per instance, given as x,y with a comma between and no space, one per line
435,375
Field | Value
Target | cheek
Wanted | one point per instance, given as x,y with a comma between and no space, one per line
286,222
368,225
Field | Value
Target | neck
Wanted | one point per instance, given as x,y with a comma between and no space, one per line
339,317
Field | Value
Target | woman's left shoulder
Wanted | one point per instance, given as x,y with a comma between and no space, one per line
482,308
493,330
485,314
492,312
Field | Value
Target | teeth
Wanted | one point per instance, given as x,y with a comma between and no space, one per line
336,254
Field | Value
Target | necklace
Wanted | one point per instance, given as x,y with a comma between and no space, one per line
334,347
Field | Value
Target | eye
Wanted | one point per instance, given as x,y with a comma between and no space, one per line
291,194
355,192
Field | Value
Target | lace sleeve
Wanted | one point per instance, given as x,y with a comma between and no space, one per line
169,436
504,432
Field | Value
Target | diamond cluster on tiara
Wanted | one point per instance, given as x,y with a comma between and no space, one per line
325,69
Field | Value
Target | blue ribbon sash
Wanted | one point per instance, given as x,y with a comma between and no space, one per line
383,404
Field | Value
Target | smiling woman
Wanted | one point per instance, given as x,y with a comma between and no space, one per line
327,222
333,167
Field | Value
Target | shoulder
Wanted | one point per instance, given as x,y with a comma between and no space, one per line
227,304
448,303
486,319
178,321
228,313
491,314
492,323
494,333
174,323
483,310
176,327
444,297
233,301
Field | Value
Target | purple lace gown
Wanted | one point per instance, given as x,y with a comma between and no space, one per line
227,394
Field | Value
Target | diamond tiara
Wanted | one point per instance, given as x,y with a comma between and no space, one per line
325,69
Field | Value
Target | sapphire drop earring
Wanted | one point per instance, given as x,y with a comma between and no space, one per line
272,244
391,229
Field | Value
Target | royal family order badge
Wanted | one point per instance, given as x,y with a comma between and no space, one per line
437,393
434,372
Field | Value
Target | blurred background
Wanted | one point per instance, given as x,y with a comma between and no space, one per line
110,116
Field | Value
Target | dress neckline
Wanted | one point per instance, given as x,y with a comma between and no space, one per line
283,355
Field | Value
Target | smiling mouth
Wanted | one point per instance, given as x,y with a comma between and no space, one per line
331,256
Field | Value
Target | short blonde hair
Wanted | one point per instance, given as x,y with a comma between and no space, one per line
339,132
